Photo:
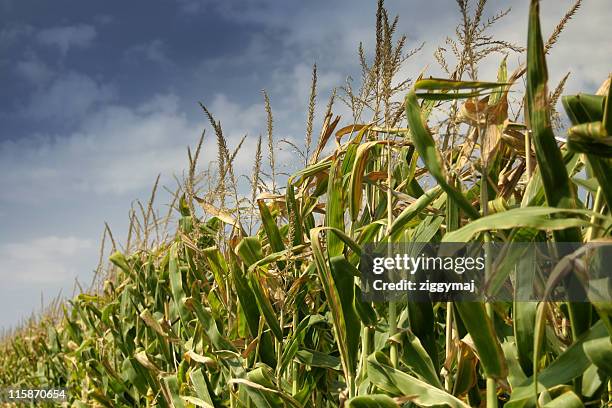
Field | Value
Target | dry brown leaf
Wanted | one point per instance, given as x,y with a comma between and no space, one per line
490,144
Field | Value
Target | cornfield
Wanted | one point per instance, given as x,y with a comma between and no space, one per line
254,299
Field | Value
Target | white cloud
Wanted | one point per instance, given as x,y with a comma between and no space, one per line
67,37
235,118
68,97
119,150
168,103
47,259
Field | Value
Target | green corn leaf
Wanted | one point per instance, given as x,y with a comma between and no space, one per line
210,326
335,303
269,225
176,286
294,216
249,306
414,210
566,400
534,194
550,161
344,282
348,241
591,131
599,352
263,302
217,265
425,145
356,181
466,377
583,108
277,257
249,250
170,391
516,376
416,358
309,171
200,384
334,215
602,168
529,217
246,298
422,324
313,358
592,135
480,328
134,374
262,390
398,383
297,336
557,185
569,365
440,84
120,261
196,401
589,144
372,401
523,319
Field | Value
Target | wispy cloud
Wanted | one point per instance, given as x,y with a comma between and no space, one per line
43,260
118,150
67,37
152,51
69,97
12,33
33,69
191,6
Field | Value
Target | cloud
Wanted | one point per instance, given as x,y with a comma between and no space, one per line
153,51
12,33
190,6
119,150
104,19
67,37
237,119
46,259
69,97
115,150
34,70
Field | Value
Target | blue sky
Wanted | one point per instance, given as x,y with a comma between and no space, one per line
98,98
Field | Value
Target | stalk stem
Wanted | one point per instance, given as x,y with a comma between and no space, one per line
448,382
392,331
596,205
528,161
294,368
392,305
279,350
491,384
484,206
365,350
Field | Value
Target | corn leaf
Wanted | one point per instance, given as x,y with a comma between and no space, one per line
480,328
398,383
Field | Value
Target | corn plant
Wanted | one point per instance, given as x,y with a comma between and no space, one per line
255,301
